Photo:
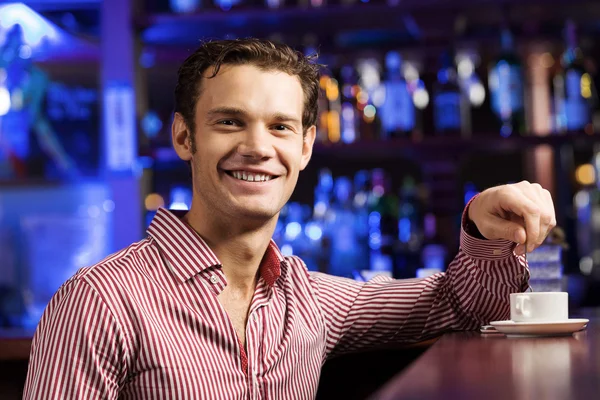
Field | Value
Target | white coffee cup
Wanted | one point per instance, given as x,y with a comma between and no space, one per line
539,307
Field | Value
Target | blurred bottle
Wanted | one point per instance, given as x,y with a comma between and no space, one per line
330,117
350,114
434,253
587,207
344,247
360,207
383,222
410,236
506,88
322,216
573,88
369,98
398,109
295,240
448,103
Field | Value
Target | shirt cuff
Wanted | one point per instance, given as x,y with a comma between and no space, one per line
476,246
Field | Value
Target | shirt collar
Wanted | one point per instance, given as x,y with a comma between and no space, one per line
188,254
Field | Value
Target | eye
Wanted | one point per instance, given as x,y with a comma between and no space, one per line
228,122
282,128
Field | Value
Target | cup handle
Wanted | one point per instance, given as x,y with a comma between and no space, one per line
521,306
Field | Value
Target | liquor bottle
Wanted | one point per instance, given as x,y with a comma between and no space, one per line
321,218
344,247
572,87
368,98
448,101
398,109
384,223
410,235
294,237
433,254
360,208
350,114
506,88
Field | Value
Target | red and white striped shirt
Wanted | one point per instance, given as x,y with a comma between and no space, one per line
146,323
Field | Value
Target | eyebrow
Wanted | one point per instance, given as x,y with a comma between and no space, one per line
239,112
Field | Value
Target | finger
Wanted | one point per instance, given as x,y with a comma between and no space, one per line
550,209
517,202
544,201
521,248
547,214
499,228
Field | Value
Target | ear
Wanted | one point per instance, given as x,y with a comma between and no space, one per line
307,146
181,136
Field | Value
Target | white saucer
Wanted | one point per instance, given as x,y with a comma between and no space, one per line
529,329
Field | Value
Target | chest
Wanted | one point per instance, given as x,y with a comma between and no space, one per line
197,353
236,306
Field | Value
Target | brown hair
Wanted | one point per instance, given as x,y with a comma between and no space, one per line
263,54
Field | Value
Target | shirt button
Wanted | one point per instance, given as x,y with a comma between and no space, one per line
214,279
255,317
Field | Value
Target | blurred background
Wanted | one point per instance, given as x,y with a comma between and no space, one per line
424,104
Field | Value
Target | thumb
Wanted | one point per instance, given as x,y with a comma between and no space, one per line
494,227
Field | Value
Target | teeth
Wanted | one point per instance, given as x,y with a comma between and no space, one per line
251,177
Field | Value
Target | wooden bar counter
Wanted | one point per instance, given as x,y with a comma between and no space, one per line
469,365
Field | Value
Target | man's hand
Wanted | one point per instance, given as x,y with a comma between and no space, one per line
522,212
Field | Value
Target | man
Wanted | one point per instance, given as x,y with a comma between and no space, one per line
207,307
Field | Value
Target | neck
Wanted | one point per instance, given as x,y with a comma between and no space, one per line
239,246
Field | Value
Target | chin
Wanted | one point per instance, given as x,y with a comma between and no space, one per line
256,213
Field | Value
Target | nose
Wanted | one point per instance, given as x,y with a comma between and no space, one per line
256,143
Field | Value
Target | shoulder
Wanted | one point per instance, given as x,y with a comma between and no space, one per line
109,282
115,277
124,262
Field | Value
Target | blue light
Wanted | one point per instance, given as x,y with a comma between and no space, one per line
442,76
375,240
35,27
506,130
292,230
181,198
147,59
287,250
374,219
184,6
151,124
470,192
178,206
314,231
404,230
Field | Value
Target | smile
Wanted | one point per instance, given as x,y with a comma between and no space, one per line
249,176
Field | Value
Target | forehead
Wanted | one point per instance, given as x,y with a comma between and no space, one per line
248,87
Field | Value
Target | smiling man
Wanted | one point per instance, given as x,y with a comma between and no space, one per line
207,307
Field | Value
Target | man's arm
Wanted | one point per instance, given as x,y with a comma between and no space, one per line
78,350
473,291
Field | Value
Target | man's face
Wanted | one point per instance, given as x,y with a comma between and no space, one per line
249,142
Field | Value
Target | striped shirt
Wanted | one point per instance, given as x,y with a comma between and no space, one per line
146,322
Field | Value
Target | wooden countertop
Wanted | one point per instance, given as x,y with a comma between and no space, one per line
469,365
15,344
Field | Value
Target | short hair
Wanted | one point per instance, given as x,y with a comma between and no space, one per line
264,54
